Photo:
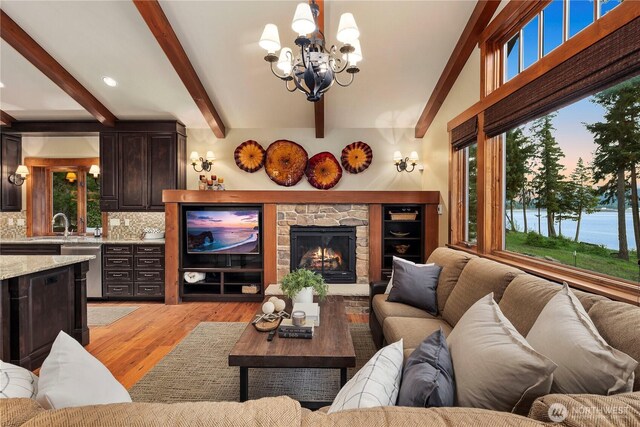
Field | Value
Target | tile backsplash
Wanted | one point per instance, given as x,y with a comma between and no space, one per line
138,221
9,228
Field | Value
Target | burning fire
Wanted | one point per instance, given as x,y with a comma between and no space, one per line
317,257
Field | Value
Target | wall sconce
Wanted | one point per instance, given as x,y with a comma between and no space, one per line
402,164
19,176
205,164
95,171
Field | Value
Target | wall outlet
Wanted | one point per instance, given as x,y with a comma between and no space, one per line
114,222
439,209
127,222
10,221
21,222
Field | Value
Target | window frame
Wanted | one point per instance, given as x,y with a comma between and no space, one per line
490,185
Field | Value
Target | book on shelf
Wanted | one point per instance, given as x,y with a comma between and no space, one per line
287,326
311,310
306,335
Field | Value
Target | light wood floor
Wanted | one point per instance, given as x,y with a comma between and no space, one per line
131,346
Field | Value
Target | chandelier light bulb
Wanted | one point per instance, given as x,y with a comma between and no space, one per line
303,22
348,31
270,40
284,62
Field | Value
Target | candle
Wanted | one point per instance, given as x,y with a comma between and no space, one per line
298,318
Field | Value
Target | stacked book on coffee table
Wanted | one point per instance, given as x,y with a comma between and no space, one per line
288,330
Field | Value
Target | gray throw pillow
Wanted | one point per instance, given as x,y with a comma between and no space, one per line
415,286
427,379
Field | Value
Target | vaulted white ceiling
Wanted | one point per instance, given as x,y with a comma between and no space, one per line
405,45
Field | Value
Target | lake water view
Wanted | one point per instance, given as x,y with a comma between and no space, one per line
600,228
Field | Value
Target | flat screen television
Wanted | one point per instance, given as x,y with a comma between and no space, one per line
223,231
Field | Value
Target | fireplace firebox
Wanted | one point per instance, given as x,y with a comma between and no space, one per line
329,251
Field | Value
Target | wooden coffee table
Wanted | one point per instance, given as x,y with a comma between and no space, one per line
330,348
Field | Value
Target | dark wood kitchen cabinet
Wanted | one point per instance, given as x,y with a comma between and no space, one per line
138,165
10,158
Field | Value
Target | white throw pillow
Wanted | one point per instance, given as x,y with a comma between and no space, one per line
565,333
70,376
376,384
16,381
390,285
494,367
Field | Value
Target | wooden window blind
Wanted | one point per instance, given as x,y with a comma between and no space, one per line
464,134
609,61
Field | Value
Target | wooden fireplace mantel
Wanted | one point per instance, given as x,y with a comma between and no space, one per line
270,199
300,197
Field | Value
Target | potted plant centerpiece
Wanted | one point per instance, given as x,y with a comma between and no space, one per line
300,284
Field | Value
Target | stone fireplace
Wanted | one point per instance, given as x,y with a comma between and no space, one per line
319,252
329,251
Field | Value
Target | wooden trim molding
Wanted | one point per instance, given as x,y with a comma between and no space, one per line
270,243
510,18
6,119
85,162
375,239
13,34
479,19
304,197
620,16
157,21
172,254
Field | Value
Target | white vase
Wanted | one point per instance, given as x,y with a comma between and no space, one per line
304,296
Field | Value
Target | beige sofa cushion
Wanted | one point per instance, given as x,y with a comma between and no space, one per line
479,278
587,299
586,410
619,325
524,299
383,309
15,412
452,263
412,330
271,411
396,416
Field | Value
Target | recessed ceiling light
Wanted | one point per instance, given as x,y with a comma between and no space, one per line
109,81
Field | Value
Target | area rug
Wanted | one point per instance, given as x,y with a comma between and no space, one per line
104,315
196,370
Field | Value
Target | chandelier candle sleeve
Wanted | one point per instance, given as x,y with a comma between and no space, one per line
348,31
303,21
270,40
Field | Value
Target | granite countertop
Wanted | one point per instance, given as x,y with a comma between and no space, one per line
21,265
59,240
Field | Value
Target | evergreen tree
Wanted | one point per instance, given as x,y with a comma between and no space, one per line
584,198
548,179
618,153
519,153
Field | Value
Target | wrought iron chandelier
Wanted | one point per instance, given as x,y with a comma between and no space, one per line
315,69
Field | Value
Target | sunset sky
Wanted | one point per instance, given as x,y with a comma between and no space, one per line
211,219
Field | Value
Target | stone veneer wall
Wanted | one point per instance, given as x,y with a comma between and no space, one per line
324,215
137,222
13,231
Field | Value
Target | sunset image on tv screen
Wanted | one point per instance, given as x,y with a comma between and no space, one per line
223,232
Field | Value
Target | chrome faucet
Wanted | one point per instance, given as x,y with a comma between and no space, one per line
66,223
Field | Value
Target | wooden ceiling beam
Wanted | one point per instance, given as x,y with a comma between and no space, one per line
13,34
157,21
318,107
480,18
6,119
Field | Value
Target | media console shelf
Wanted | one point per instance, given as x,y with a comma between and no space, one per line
228,276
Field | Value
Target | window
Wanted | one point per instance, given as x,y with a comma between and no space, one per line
471,194
77,195
571,184
557,22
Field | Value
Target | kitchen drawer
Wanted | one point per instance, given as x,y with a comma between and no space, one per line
118,249
149,289
118,262
119,290
118,276
149,262
149,249
149,276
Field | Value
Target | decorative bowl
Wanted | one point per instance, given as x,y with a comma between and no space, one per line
401,249
399,233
